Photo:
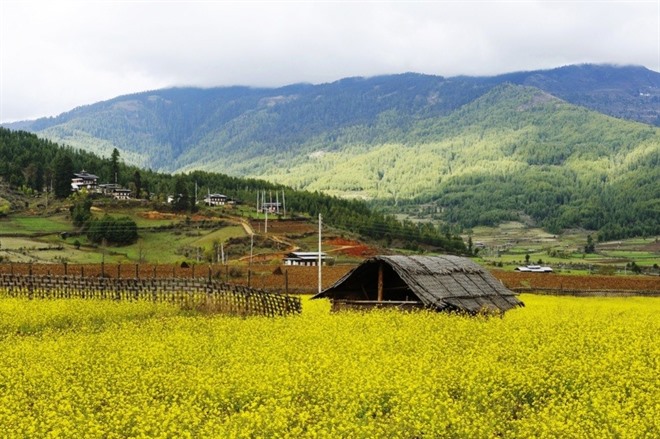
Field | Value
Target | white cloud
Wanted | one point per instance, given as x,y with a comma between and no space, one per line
55,55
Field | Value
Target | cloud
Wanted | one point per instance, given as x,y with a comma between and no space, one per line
56,55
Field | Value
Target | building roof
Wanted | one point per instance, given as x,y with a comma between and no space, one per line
439,282
534,269
306,255
86,175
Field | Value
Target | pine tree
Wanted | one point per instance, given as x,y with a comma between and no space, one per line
63,173
114,164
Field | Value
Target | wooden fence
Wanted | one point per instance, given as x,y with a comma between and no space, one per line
287,279
206,294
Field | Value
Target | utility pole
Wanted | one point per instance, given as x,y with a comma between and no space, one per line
283,203
251,247
320,227
266,223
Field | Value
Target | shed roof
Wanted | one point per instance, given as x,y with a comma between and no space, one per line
440,282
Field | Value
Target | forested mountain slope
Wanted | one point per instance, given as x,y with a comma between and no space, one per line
513,153
469,150
30,165
239,130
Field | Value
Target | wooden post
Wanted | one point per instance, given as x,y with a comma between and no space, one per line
118,270
137,271
286,281
380,282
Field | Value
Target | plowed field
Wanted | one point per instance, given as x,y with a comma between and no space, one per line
530,281
305,279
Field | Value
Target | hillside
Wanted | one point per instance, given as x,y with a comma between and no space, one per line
234,129
39,169
463,150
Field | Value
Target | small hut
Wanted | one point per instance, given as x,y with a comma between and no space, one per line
435,282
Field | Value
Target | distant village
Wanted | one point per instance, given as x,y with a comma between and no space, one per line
84,180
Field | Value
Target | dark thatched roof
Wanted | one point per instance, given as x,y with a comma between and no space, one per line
439,282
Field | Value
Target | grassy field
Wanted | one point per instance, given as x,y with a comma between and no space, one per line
35,224
510,243
560,367
169,238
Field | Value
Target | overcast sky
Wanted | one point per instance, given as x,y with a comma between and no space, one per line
56,55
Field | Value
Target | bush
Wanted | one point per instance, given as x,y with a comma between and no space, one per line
119,231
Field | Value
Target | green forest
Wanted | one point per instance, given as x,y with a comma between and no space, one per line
535,147
31,165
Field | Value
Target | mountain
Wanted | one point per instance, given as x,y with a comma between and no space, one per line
575,146
232,128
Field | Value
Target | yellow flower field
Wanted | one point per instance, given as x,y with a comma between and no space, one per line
560,367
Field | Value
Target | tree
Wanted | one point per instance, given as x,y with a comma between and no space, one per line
63,173
119,231
181,195
137,179
114,164
81,210
590,247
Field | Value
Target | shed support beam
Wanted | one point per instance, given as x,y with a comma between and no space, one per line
380,282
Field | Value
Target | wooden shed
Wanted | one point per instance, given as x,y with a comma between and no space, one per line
435,282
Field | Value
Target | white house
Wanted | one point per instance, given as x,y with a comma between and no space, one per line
534,269
305,258
121,194
215,200
84,180
270,207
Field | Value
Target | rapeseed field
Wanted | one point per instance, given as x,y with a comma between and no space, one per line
560,367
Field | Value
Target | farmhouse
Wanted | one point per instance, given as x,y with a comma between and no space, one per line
108,188
270,207
121,194
534,269
305,258
215,200
435,282
84,180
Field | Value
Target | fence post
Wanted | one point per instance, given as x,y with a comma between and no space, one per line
286,281
102,268
193,271
30,283
118,270
249,277
65,268
137,271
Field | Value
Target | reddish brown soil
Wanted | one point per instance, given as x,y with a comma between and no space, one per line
305,279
